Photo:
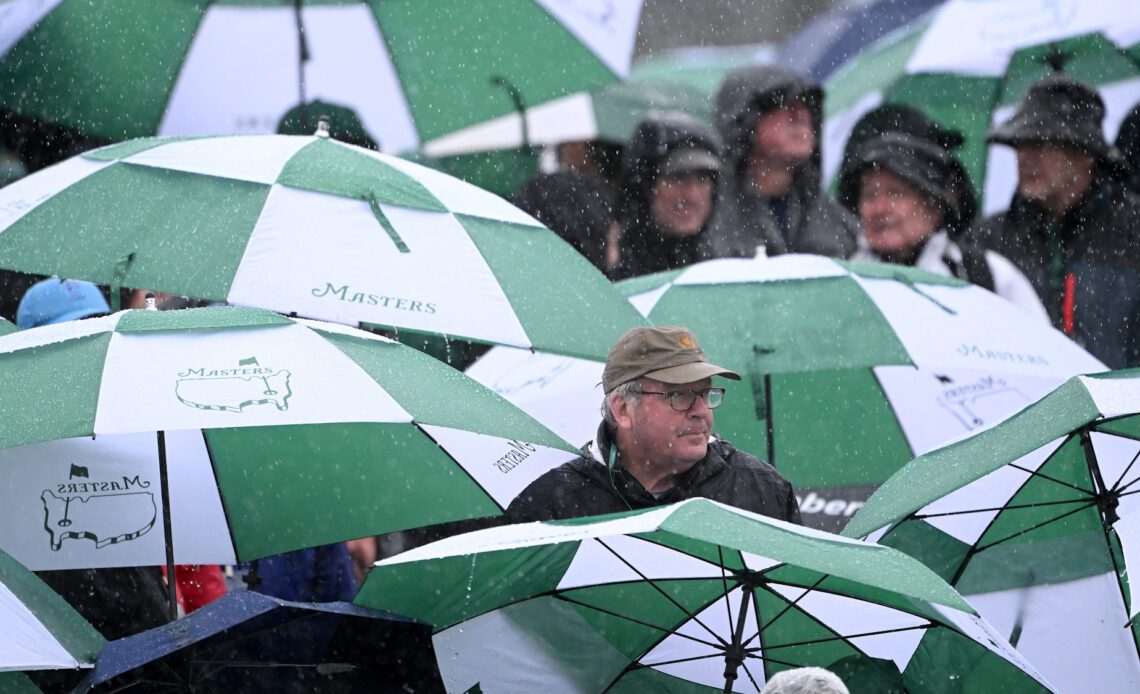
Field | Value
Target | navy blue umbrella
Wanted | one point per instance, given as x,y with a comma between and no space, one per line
247,641
828,40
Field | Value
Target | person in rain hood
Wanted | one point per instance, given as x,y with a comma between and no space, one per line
915,202
655,444
667,194
1072,227
770,119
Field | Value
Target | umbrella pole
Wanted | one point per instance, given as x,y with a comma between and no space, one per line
734,654
168,533
768,420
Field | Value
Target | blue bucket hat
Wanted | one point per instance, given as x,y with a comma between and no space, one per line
55,301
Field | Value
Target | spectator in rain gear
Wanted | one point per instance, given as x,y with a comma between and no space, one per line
574,205
655,443
915,201
1072,227
1128,144
667,194
893,118
770,119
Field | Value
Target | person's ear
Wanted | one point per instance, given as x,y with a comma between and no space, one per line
622,411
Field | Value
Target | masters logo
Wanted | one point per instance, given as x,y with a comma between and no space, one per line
105,511
234,389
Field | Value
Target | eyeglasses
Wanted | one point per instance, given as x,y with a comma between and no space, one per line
683,400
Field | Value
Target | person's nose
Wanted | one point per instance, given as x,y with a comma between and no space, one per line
699,408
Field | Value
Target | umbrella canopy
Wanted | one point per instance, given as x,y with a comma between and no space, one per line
310,226
834,36
970,63
694,597
246,641
701,67
1019,519
850,369
38,630
276,434
609,113
411,70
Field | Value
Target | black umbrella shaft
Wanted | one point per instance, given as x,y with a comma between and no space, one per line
168,532
734,654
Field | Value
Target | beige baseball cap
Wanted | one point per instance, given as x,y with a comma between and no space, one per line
668,354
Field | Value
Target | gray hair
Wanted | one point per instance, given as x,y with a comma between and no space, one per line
805,680
630,390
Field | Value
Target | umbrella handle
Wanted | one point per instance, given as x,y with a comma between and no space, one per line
168,533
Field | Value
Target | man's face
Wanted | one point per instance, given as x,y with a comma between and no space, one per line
896,217
683,202
1052,173
785,134
667,437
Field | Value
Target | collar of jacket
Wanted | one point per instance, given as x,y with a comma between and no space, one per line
629,487
1029,215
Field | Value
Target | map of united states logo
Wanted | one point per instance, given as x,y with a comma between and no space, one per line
234,389
105,512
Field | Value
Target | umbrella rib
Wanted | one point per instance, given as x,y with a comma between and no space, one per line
1011,507
980,548
790,604
1037,473
689,615
221,494
1116,485
664,630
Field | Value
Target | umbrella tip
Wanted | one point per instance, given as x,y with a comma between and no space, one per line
150,305
322,128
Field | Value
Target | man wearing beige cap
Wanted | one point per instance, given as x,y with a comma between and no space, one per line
655,444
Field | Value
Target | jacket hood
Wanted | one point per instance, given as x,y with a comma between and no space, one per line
923,164
646,247
749,92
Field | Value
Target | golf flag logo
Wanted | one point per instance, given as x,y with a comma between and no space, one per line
104,511
234,389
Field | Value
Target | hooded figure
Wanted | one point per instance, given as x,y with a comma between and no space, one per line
898,118
1072,227
915,201
797,218
667,195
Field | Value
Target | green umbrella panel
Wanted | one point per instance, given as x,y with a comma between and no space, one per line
1019,519
968,64
38,629
694,597
411,70
850,369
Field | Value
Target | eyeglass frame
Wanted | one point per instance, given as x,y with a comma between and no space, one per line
704,394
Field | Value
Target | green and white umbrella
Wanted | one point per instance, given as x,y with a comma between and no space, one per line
411,70
694,597
315,227
969,63
275,434
1019,519
38,629
609,113
850,369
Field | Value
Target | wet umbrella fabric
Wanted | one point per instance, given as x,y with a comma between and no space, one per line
38,630
246,641
314,227
279,434
167,67
831,38
850,368
1019,519
969,64
696,597
609,114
